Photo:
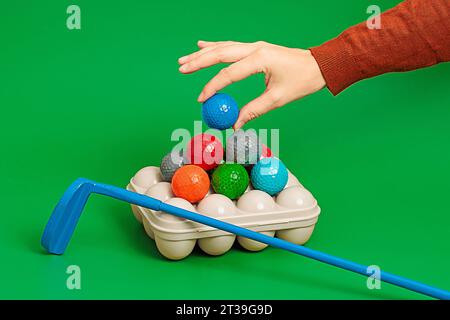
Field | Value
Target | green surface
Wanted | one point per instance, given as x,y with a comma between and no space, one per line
101,102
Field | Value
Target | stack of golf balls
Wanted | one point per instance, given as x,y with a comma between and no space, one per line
267,173
187,170
247,161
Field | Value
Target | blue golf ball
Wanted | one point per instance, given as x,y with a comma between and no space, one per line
269,175
220,111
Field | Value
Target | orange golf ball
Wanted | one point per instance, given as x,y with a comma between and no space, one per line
190,182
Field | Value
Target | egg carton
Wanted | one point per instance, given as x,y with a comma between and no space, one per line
291,215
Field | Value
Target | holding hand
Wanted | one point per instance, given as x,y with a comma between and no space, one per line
290,74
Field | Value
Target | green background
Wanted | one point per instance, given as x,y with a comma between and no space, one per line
101,102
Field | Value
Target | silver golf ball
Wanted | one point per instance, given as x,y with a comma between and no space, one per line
171,163
243,147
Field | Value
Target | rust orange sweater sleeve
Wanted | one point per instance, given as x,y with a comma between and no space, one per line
414,34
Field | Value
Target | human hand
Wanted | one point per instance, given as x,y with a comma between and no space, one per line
290,74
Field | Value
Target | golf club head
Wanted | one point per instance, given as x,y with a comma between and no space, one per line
64,218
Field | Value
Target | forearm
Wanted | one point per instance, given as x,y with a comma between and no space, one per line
414,34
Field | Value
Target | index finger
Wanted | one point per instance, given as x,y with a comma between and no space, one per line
231,53
204,44
235,72
187,58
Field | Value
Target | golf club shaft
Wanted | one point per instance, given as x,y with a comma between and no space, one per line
154,204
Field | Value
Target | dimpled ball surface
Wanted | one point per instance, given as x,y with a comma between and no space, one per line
191,183
269,175
243,147
220,111
171,163
265,152
204,150
230,179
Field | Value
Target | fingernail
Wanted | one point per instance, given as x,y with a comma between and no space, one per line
183,58
183,68
200,97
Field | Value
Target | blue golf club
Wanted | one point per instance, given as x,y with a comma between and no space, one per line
62,223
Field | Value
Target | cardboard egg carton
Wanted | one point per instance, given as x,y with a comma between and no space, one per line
291,215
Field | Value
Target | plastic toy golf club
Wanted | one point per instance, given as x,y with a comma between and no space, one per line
62,223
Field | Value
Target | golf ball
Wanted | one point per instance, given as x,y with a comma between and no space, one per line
171,163
243,147
230,179
220,111
265,152
191,183
216,206
269,175
204,150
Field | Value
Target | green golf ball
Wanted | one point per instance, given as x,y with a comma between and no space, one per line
230,179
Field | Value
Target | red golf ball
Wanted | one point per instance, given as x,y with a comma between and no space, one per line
265,152
205,150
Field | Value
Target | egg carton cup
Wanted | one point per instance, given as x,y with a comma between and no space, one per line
291,216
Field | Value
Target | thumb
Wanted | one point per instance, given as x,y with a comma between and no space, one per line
255,108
